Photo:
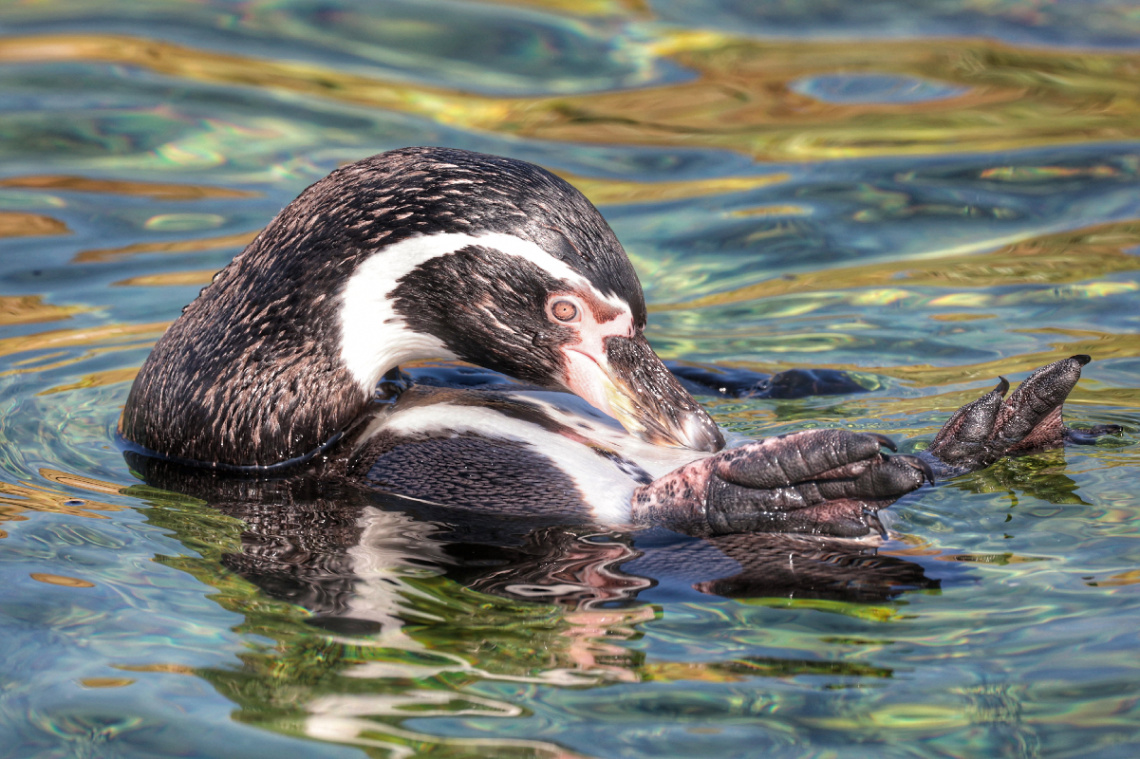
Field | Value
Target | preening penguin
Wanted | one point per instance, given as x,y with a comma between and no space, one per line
432,253
413,254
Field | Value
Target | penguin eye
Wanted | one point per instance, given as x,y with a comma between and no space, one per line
564,311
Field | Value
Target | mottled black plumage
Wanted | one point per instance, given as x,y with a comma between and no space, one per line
479,473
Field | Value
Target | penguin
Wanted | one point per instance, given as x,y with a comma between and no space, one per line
288,365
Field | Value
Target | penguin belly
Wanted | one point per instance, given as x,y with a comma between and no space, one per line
528,453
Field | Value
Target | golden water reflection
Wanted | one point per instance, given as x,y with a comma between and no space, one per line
192,245
1045,260
742,98
15,224
50,349
152,190
170,279
15,499
31,309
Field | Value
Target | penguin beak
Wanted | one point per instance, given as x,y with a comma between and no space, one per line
630,383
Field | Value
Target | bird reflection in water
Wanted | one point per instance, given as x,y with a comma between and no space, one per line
401,592
334,547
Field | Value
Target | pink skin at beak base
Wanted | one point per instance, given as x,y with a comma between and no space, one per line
648,402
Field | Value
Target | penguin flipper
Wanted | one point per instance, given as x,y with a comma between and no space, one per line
734,382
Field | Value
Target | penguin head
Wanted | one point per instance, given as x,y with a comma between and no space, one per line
500,263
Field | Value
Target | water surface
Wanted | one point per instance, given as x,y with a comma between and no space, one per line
928,195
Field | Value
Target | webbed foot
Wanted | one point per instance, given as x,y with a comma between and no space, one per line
980,433
827,482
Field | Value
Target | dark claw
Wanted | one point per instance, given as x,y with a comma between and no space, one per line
871,517
798,457
891,477
834,482
884,441
966,435
921,465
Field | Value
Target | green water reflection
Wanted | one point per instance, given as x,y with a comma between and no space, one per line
928,195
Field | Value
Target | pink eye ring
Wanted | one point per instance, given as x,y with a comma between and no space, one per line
564,311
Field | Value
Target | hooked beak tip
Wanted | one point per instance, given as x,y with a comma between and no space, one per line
693,429
701,433
634,387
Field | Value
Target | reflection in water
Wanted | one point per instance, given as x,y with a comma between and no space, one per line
31,309
872,88
424,599
16,499
153,190
94,342
311,541
405,596
1039,477
1045,261
192,245
742,98
14,224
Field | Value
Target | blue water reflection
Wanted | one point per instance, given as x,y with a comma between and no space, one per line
873,88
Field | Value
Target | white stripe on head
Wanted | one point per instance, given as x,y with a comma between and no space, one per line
374,338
